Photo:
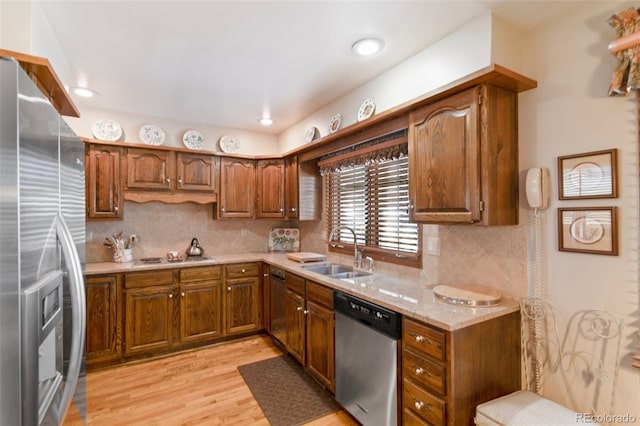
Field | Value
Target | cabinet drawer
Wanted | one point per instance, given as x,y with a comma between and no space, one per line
204,273
240,270
422,403
150,278
423,338
320,294
295,283
429,374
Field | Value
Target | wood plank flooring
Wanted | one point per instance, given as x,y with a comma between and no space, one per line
198,387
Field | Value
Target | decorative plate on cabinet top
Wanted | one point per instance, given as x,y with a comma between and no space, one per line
151,134
311,134
229,144
192,139
107,130
334,123
366,110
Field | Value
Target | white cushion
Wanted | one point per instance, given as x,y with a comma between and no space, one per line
524,408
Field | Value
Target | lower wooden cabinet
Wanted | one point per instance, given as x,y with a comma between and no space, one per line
310,328
446,374
148,319
104,318
200,304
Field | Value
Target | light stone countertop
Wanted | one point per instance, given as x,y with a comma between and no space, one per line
409,297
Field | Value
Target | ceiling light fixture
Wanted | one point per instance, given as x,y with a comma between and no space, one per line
84,92
266,121
367,46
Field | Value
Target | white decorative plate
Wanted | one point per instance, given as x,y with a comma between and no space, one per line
229,144
366,110
151,134
193,139
311,134
106,130
334,123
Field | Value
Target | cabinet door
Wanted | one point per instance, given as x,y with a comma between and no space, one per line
148,319
103,318
291,186
270,189
200,311
150,169
237,188
104,182
444,180
242,305
196,172
320,344
295,319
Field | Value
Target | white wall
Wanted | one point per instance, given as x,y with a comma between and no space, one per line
15,26
453,57
570,113
252,143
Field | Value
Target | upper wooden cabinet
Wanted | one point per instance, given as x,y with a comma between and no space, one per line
270,189
463,158
167,170
237,188
291,186
103,182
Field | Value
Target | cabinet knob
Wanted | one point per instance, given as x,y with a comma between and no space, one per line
243,271
182,294
419,404
117,209
170,296
281,210
168,180
228,288
222,209
265,275
180,181
419,370
306,311
299,308
421,339
293,209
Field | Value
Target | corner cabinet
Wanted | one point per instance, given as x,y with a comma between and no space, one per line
463,158
104,182
237,188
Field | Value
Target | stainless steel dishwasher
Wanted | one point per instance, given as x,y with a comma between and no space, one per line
366,348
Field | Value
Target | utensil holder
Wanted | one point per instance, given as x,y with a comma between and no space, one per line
122,255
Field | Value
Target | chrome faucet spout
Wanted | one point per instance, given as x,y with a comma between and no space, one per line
357,256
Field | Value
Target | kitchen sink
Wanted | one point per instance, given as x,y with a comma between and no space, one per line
335,270
328,268
351,274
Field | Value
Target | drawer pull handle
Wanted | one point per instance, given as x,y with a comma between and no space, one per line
421,371
422,339
421,405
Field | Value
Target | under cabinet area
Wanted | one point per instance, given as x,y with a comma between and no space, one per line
446,374
310,335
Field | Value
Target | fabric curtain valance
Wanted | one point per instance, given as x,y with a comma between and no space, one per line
389,147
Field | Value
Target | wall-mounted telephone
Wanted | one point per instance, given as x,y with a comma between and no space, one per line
537,188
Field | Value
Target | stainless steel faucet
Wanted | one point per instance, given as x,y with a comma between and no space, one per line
357,256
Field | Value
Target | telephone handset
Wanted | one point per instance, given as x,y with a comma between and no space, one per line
537,188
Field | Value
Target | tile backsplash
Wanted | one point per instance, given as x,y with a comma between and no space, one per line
490,256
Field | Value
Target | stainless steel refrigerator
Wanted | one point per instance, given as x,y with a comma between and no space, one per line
42,252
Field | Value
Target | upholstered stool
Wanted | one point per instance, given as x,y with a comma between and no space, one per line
524,408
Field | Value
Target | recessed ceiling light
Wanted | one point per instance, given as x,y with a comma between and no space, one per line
266,121
367,46
83,92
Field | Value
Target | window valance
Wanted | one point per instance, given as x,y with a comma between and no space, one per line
389,147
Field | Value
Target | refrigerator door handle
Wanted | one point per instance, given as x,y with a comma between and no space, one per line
78,312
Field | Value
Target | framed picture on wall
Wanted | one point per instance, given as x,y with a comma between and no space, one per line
588,230
588,175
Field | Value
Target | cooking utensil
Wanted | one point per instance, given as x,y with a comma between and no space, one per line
195,249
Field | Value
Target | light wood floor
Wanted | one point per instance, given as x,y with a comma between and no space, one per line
199,387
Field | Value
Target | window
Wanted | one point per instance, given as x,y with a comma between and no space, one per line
369,193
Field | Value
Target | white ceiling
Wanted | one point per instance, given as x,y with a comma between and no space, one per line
225,63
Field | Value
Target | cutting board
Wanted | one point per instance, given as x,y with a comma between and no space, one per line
303,257
469,295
